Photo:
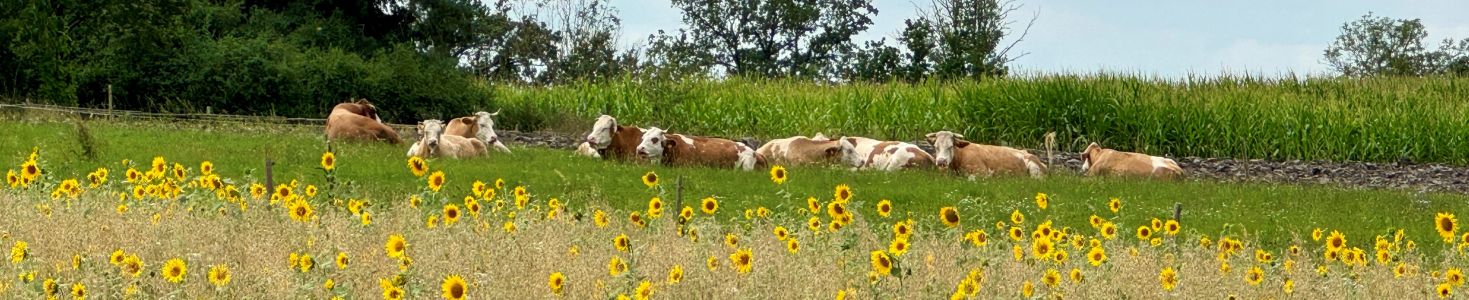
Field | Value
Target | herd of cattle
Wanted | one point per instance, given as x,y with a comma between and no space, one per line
474,135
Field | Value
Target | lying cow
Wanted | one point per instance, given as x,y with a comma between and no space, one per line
1101,161
952,152
435,143
800,150
681,150
610,141
864,153
479,126
358,120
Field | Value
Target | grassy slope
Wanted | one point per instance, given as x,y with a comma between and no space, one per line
378,172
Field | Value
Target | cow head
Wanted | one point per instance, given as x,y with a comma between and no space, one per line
368,110
944,143
429,132
487,130
655,141
602,132
848,149
1086,156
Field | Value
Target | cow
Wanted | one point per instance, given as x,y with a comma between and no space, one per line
435,143
799,150
952,152
585,149
1102,161
358,120
666,148
479,126
611,141
865,153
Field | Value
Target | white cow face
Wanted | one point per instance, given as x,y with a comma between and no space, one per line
601,135
1086,156
943,146
487,130
430,130
849,152
654,141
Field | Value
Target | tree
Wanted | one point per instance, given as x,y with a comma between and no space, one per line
776,38
968,37
1373,46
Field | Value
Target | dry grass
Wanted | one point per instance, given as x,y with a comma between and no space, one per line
256,243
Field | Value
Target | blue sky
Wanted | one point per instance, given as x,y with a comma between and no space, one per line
1163,38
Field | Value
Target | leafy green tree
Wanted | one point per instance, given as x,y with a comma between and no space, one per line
1375,45
775,38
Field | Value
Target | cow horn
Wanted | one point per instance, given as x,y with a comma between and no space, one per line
497,112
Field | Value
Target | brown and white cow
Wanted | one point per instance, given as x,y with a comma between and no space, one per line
480,126
799,150
610,141
952,152
358,120
865,153
1101,161
435,143
682,150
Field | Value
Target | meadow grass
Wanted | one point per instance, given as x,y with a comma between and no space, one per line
255,240
1369,119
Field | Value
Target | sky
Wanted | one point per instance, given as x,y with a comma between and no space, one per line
1154,38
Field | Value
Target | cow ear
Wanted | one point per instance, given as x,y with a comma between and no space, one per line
852,141
958,136
931,137
961,143
833,151
668,143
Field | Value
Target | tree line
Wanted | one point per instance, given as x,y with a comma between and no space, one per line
423,58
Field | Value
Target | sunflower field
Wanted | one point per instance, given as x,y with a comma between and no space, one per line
169,210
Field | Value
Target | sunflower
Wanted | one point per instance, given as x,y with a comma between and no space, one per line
882,263
675,275
396,246
949,216
1289,286
599,218
19,252
310,191
1051,278
78,291
454,287
843,193
1168,278
219,275
709,205
451,214
712,263
1171,227
50,287
1042,201
778,174
650,179
1144,232
1454,276
1114,205
1016,217
1254,276
179,172
792,245
814,224
509,227
978,237
1446,224
556,281
174,270
655,207
636,219
685,214
616,266
644,290
1263,256
301,211
781,233
742,260
1400,270
1042,248
436,181
305,263
1027,289
621,242
131,265
1096,256
898,247
813,205
1338,241
391,292
29,171
342,260
902,229
11,179
418,166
